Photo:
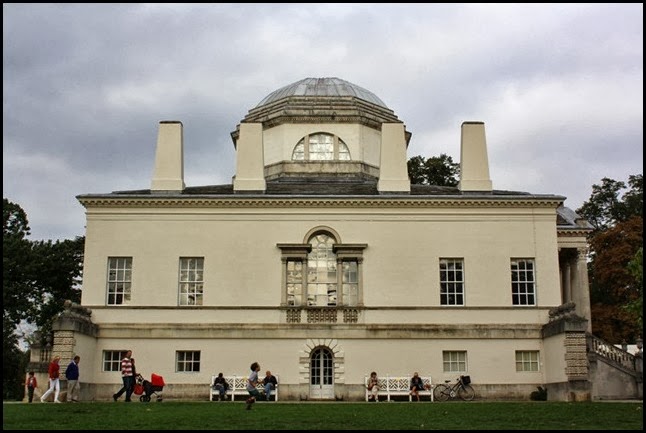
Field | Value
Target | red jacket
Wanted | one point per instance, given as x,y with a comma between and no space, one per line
32,382
54,370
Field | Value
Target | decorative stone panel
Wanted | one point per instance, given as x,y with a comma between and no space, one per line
576,359
321,315
350,315
293,316
64,345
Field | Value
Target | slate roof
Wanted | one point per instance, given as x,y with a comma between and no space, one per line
328,86
328,187
567,218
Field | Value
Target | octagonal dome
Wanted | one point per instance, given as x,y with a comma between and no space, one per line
318,101
326,87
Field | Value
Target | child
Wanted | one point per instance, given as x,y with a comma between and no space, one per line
252,381
32,384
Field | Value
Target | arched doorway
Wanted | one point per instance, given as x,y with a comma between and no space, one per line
321,374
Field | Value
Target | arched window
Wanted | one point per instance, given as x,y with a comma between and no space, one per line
321,272
321,146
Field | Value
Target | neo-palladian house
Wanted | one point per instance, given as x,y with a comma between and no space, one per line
322,262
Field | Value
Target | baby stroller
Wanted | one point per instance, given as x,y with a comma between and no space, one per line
146,389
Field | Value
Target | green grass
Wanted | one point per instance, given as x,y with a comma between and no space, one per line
172,415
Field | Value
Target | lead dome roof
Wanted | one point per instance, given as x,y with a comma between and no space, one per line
329,86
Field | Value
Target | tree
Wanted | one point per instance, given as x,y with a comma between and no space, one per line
37,278
14,362
606,208
613,287
16,286
58,276
436,170
636,268
16,264
633,199
617,237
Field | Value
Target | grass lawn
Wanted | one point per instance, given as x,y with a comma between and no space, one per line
173,415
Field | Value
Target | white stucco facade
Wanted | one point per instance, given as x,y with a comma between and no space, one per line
388,313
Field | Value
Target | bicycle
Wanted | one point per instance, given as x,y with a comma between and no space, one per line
461,388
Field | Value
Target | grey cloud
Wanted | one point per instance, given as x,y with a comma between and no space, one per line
559,88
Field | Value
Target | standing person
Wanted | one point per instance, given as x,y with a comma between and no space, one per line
54,382
416,385
220,385
127,375
32,384
373,386
72,375
252,381
270,383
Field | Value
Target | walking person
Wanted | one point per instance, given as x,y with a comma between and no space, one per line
32,384
54,382
270,382
252,381
72,375
128,377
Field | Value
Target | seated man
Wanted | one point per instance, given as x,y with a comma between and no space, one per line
270,383
220,385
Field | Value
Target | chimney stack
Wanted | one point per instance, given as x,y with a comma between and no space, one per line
474,163
168,176
393,166
250,160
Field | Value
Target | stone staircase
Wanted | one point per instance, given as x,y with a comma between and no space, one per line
615,374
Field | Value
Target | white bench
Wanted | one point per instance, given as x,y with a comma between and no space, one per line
238,386
399,385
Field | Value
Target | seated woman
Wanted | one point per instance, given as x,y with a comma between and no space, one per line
416,385
373,387
220,385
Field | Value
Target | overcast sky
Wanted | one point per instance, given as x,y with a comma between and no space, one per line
559,88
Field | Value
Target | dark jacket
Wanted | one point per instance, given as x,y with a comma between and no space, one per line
416,382
270,379
222,381
72,371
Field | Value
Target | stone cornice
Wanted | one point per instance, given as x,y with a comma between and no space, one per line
316,330
334,107
165,308
286,119
572,232
138,201
320,109
291,119
564,324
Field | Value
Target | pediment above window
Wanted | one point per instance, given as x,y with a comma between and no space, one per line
294,251
349,251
